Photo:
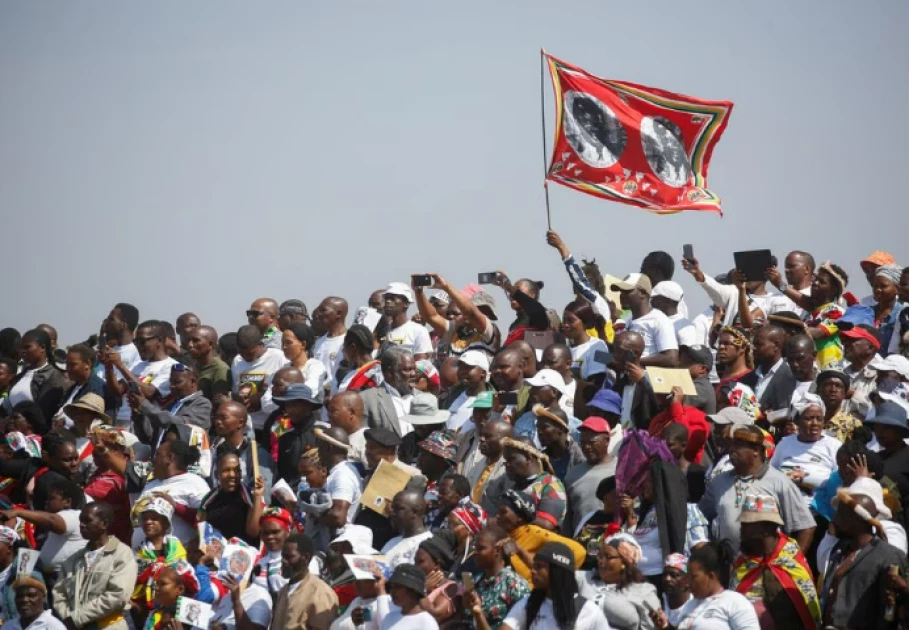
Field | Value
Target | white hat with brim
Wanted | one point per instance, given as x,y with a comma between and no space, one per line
871,489
732,415
402,289
547,378
424,409
359,537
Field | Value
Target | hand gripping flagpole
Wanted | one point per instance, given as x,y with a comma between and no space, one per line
543,122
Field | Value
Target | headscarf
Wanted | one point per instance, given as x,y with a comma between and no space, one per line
629,549
676,561
470,514
740,340
442,547
150,566
280,516
891,272
521,504
8,536
801,403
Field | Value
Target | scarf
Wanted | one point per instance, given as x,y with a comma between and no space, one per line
156,619
149,566
790,567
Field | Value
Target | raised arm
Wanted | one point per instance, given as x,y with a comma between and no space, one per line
578,279
469,310
428,312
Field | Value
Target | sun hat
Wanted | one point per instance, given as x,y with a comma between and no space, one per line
90,402
634,281
442,444
874,491
760,508
732,415
424,409
607,400
890,414
547,378
402,289
486,303
300,391
359,537
409,576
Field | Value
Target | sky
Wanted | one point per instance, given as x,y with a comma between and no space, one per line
193,156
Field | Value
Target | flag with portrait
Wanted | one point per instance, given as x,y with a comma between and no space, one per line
638,145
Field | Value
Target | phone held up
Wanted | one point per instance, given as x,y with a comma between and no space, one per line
508,398
422,280
688,253
487,277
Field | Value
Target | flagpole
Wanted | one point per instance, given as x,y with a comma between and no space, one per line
543,122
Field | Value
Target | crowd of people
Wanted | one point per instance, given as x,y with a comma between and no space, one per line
422,462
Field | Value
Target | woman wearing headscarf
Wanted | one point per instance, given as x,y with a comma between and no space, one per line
617,586
40,381
274,528
554,602
826,291
231,508
108,483
516,513
158,550
466,520
887,307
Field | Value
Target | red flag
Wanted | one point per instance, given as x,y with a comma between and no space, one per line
639,145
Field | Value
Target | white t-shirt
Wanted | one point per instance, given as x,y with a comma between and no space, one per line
412,336
154,373
726,611
258,372
685,332
129,356
58,548
186,489
315,376
393,619
22,391
582,360
589,618
255,601
816,459
647,534
461,412
399,550
566,402
45,621
328,351
657,330
344,484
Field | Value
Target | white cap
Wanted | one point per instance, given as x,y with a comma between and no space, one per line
669,290
547,377
402,289
475,358
873,490
893,363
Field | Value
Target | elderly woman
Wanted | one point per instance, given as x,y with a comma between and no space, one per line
275,526
809,456
617,586
515,515
887,307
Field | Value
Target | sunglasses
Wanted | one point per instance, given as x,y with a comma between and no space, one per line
252,313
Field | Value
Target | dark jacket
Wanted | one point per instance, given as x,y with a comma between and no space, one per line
778,393
706,397
48,387
644,405
291,447
195,410
861,599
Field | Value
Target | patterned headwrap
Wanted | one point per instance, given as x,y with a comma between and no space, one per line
828,267
521,504
629,549
743,397
676,561
740,340
8,536
801,402
891,272
528,449
280,516
149,565
442,443
472,515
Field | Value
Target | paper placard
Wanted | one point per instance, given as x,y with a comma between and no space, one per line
385,483
363,567
662,380
284,493
26,559
211,541
238,561
193,613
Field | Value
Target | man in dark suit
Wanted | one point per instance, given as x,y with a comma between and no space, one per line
384,406
776,383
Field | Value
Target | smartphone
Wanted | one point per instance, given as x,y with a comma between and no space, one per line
422,280
467,581
487,277
602,357
630,357
367,614
688,252
134,387
508,398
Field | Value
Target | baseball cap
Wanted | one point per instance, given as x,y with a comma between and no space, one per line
878,259
547,377
595,424
634,281
486,303
856,316
402,289
732,415
892,363
482,401
669,290
558,554
699,355
862,332
475,358
607,400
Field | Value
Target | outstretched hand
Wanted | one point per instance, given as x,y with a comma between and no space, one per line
555,241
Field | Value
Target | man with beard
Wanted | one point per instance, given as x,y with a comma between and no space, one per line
386,405
305,602
771,570
401,330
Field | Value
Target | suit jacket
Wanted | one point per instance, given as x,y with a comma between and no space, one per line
195,410
379,410
644,405
778,393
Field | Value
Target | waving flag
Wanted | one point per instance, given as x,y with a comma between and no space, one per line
639,145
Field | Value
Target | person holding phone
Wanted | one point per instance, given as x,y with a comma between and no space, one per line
661,348
530,314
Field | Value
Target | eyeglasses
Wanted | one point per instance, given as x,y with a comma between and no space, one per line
252,313
141,340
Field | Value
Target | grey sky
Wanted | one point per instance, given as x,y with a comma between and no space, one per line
197,155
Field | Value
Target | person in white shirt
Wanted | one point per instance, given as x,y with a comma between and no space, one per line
344,484
557,356
554,602
577,319
661,349
61,522
666,297
151,375
473,372
31,597
809,456
330,316
401,330
799,274
401,610
252,371
252,604
408,510
117,332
